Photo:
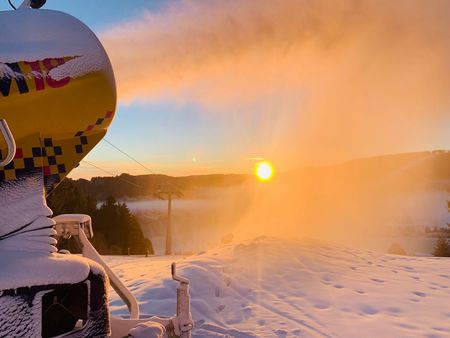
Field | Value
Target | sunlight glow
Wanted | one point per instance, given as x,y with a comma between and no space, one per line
264,171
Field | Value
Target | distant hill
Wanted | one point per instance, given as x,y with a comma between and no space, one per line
430,167
128,186
422,168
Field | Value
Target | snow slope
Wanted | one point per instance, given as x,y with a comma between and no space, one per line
268,287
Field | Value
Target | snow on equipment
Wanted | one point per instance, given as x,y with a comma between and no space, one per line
57,99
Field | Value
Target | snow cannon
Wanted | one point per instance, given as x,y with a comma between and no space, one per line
57,99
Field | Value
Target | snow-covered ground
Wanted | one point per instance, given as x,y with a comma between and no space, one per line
267,287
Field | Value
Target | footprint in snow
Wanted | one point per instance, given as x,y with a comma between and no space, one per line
217,291
408,268
299,293
368,309
281,333
420,294
327,280
297,332
377,280
441,329
394,310
407,326
431,335
322,305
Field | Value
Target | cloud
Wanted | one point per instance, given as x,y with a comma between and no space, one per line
327,80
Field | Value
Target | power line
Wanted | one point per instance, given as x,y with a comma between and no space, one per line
110,173
165,179
101,169
130,157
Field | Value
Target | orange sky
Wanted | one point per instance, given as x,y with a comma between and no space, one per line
320,81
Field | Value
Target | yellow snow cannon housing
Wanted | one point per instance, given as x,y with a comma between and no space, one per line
57,92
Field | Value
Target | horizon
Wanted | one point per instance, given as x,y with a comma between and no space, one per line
142,172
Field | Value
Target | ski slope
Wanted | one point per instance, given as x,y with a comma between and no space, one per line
267,287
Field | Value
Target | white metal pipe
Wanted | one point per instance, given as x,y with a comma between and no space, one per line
118,286
10,142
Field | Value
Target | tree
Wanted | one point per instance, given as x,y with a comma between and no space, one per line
448,207
442,248
115,228
121,229
67,198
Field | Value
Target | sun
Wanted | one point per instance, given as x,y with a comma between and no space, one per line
264,171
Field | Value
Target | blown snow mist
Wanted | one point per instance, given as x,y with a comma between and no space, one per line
333,80
323,81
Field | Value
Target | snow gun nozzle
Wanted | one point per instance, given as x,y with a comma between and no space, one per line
37,3
177,278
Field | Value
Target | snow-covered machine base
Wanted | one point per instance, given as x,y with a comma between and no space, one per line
44,294
52,310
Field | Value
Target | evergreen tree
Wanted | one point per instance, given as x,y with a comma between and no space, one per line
442,248
448,207
68,199
116,229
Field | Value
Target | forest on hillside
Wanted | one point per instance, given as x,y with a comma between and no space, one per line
116,229
426,168
144,186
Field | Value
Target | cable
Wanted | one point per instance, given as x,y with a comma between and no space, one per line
110,173
130,157
11,4
165,179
